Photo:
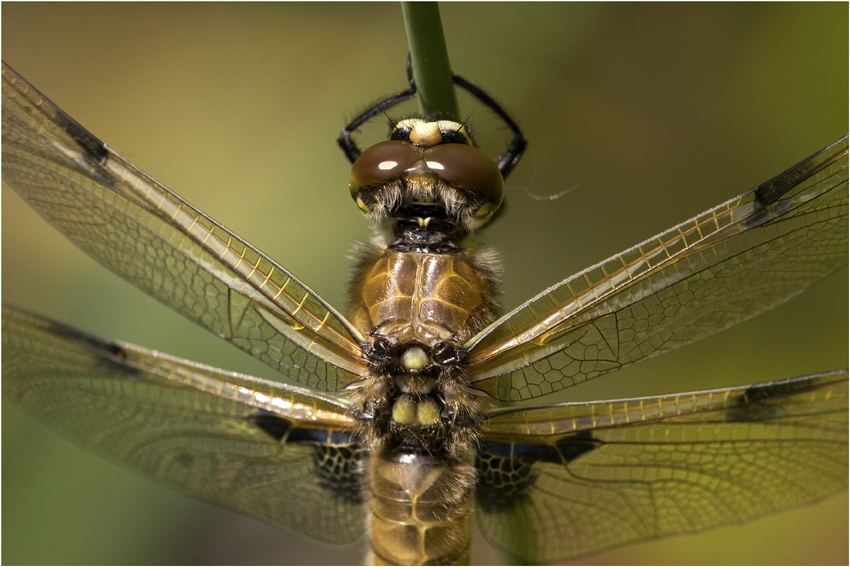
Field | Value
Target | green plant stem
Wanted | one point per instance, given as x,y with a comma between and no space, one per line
430,59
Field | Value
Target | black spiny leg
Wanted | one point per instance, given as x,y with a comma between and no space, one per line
518,143
349,148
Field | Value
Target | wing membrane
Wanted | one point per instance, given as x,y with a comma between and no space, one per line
168,248
185,424
702,276
589,476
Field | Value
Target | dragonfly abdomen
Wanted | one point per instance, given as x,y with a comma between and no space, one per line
420,507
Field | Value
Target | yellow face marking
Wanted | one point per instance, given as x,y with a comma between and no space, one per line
430,133
444,125
426,134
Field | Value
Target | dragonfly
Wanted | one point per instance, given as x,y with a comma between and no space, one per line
412,419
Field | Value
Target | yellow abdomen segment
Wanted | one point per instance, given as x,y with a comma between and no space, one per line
420,510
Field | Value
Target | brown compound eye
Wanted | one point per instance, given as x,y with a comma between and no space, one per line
380,163
469,168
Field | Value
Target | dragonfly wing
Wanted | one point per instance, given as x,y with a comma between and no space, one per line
268,450
704,275
153,238
574,479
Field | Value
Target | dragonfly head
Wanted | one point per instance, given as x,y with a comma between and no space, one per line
430,166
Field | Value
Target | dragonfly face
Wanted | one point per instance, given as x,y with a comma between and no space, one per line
636,236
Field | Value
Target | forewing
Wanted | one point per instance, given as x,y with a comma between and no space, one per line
251,445
575,479
713,271
153,238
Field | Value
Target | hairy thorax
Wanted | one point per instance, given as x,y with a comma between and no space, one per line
408,297
419,308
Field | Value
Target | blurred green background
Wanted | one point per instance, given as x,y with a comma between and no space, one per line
650,113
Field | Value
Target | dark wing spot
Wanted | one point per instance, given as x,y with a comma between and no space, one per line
506,470
761,403
83,137
340,471
278,427
113,357
116,363
273,425
337,459
571,448
771,190
91,144
502,482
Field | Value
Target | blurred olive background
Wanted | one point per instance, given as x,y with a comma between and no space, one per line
650,113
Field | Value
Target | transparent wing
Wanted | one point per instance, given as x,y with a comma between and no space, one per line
271,451
574,479
704,275
151,237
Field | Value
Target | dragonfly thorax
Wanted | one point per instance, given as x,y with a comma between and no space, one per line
427,412
419,308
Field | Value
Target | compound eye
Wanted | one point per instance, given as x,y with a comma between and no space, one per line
381,163
469,168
